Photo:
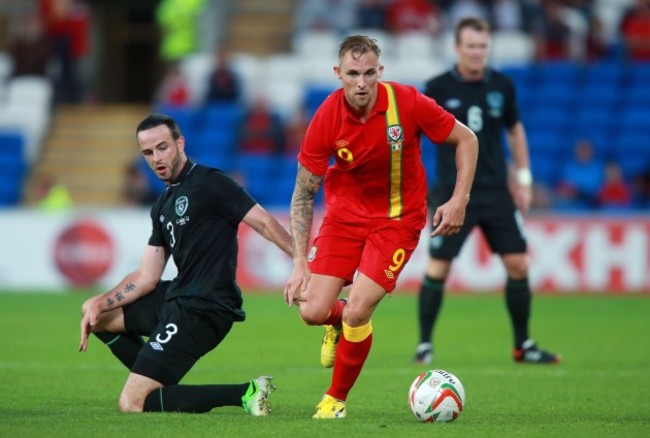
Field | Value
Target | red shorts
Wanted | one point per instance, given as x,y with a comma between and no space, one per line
379,250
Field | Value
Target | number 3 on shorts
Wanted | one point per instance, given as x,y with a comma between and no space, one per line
172,329
398,259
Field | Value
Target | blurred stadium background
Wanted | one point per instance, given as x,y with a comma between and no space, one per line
77,76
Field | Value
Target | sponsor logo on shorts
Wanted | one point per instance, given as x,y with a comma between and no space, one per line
156,346
436,242
389,273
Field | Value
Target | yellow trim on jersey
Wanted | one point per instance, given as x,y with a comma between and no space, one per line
395,141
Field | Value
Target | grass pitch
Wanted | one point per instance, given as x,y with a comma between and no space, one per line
48,389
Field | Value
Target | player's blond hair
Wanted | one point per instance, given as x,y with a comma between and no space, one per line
357,45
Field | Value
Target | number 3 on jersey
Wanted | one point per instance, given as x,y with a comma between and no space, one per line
172,238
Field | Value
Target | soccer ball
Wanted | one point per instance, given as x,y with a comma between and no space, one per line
436,396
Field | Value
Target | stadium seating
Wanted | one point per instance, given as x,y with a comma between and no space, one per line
221,116
13,166
545,169
548,143
313,43
520,74
512,47
413,72
196,69
632,151
187,118
414,45
555,72
260,173
32,90
285,97
548,95
560,103
314,96
6,66
429,158
214,147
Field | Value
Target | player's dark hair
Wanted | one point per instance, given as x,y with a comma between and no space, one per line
471,23
357,45
157,119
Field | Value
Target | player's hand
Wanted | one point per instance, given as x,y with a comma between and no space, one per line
449,218
298,282
88,321
523,196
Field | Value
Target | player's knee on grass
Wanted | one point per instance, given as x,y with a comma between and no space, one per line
135,392
129,404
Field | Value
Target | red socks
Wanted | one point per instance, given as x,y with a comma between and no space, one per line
336,314
351,353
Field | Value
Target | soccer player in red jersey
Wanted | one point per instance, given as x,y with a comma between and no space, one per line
375,200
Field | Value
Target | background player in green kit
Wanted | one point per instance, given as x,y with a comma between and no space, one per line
195,221
484,100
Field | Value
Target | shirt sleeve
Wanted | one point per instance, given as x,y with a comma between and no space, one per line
315,152
435,121
229,199
511,112
156,237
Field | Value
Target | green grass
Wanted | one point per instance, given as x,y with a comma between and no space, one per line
49,389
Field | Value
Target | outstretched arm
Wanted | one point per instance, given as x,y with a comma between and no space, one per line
450,216
302,217
133,286
269,227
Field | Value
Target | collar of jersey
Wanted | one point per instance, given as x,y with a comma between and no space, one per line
456,74
189,165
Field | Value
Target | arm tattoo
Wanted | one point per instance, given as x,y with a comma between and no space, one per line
119,295
302,209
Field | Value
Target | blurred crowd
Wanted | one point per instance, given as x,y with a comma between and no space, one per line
588,182
54,43
562,29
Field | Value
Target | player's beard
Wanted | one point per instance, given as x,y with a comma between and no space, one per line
171,170
175,168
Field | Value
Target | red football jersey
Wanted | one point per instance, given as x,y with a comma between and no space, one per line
372,177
